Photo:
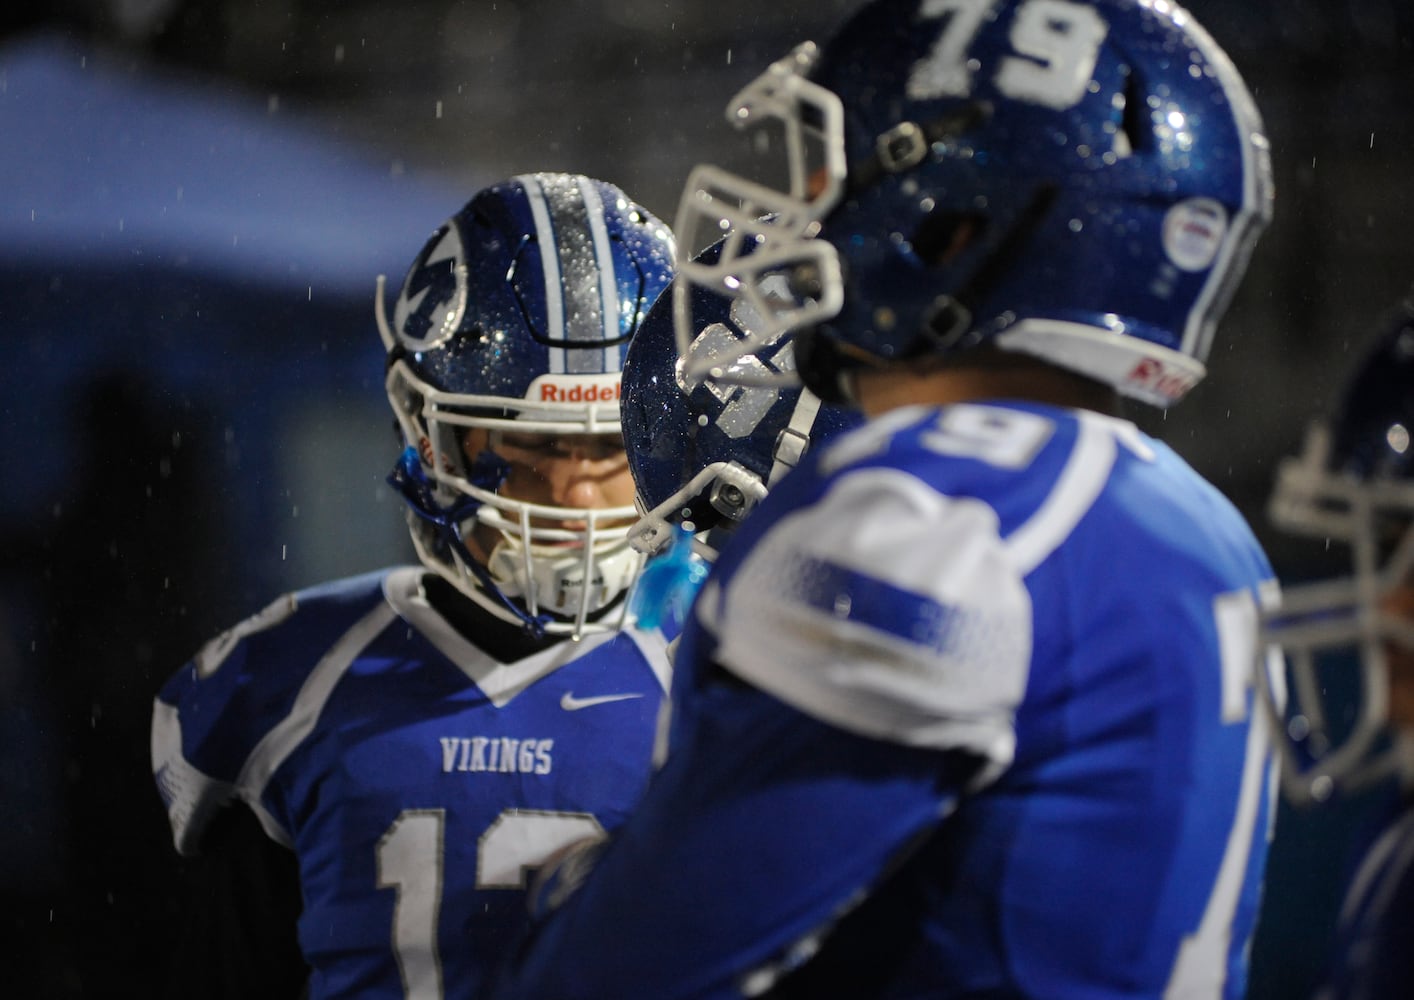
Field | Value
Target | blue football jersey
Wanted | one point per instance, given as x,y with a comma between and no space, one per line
417,779
965,709
1373,958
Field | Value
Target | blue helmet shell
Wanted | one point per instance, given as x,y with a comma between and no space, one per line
543,274
1078,180
1374,420
1081,184
677,426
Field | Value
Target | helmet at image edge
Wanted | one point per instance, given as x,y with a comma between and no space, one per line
1353,488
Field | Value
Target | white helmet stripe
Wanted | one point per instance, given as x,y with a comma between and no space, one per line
550,264
608,280
1244,228
579,275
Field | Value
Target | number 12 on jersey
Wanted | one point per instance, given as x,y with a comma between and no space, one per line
411,861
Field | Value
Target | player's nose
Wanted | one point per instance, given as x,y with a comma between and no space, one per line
574,482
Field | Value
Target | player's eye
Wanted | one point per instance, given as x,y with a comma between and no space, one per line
530,444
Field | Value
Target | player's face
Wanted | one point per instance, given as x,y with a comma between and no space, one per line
575,471
580,471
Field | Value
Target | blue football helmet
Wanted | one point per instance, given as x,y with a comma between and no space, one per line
1353,485
515,317
704,451
1078,180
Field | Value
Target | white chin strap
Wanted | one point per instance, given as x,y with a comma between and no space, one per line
555,584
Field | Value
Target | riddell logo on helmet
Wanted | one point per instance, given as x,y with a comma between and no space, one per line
551,389
1161,380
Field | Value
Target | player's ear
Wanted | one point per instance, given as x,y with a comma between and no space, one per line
474,441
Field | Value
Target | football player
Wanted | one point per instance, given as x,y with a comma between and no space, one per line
966,704
404,746
1348,734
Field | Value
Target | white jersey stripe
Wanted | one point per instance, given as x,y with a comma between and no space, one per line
654,648
281,741
500,682
1076,489
1202,324
192,796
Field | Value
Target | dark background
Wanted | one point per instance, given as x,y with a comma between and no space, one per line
195,198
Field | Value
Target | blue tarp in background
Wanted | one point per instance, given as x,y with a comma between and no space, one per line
191,236
191,396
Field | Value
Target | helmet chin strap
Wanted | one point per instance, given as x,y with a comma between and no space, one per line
794,439
558,583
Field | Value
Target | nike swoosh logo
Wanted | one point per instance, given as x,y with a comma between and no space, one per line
572,704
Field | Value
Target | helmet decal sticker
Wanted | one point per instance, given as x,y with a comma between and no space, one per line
433,298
